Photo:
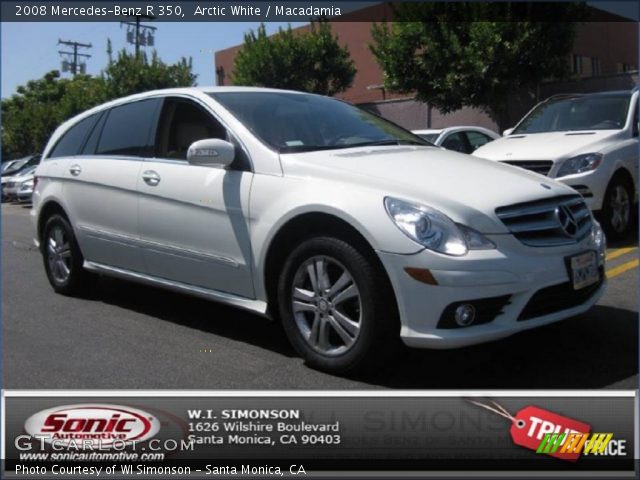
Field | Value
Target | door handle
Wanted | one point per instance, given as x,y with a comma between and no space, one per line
151,178
75,170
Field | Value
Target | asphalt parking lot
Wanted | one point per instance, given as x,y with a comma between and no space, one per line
130,336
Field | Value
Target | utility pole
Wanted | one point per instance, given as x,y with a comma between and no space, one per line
74,67
140,34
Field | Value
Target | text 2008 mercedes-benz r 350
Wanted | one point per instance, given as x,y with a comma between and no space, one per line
352,231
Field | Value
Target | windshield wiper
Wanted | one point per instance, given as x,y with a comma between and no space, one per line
387,142
312,148
308,148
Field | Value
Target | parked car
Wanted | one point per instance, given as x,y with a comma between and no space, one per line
21,164
25,192
6,165
5,181
350,230
458,139
12,185
589,142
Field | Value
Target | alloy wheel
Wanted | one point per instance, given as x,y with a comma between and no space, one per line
59,254
620,209
326,305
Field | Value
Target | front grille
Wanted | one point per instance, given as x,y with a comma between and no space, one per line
539,166
540,223
11,184
487,309
557,298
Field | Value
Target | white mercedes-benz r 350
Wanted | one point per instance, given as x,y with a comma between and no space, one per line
347,228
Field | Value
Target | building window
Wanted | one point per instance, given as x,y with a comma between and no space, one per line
595,67
220,75
622,67
577,64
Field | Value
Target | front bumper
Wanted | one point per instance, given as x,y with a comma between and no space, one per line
512,273
591,185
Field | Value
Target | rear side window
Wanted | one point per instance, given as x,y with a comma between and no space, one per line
456,142
128,129
72,141
477,139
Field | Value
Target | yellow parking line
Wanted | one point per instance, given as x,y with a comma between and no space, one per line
614,272
619,252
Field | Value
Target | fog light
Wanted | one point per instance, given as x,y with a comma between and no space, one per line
465,314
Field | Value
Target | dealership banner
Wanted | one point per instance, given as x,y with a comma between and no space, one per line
265,434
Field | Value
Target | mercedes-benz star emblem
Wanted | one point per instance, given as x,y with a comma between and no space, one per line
567,221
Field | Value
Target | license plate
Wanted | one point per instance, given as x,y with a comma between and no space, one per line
584,270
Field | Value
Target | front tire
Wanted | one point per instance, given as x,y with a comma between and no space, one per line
617,208
336,307
62,258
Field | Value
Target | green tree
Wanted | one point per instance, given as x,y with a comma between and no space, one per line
30,116
312,62
128,74
469,54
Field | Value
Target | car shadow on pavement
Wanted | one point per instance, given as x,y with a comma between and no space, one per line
594,350
191,312
590,351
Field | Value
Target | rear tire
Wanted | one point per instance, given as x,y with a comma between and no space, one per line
336,307
62,258
617,208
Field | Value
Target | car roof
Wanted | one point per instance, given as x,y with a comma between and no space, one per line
427,132
455,128
593,94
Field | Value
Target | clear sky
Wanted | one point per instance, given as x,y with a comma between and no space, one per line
29,50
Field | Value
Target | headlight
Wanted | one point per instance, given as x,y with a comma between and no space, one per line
433,229
580,164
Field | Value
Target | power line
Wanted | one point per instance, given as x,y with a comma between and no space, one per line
139,34
73,65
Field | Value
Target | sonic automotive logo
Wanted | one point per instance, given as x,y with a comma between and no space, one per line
92,425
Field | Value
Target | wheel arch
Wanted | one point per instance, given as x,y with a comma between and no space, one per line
51,207
623,173
304,226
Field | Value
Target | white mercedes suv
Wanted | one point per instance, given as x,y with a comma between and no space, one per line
589,142
350,230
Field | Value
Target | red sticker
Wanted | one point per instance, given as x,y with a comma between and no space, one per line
532,423
543,431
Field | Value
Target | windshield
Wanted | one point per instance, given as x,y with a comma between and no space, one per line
601,112
28,170
292,122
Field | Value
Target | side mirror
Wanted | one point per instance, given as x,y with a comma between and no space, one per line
211,152
507,132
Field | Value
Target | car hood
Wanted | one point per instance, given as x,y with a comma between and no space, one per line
22,178
466,188
545,146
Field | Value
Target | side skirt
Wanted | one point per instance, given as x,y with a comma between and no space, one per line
256,306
